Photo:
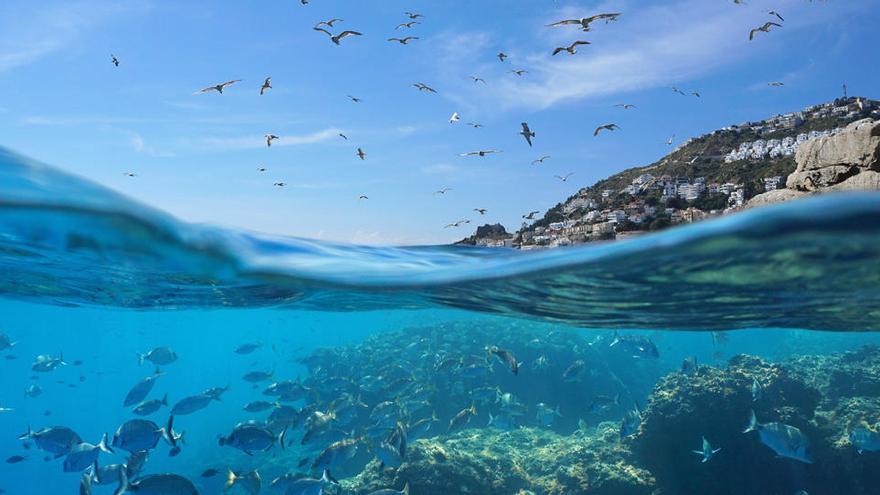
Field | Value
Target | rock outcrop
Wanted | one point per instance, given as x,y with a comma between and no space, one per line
522,461
847,161
823,396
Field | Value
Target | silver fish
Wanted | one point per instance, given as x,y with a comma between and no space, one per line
251,437
786,440
45,363
160,356
140,390
84,455
149,407
157,484
191,404
57,440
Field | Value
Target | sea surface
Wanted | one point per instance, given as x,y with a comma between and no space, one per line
372,340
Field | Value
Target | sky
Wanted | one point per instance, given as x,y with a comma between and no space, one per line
197,156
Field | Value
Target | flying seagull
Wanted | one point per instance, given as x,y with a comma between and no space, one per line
339,37
481,211
530,215
328,23
571,49
267,84
696,93
114,60
363,196
219,87
501,56
527,133
670,140
361,154
764,29
606,127
476,79
479,153
442,191
269,139
585,22
564,178
280,184
455,118
519,72
407,25
625,106
343,136
540,160
776,84
773,12
424,87
404,41
676,90
129,174
262,169
475,125
354,99
413,15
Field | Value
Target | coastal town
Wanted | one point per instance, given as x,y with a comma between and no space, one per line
647,199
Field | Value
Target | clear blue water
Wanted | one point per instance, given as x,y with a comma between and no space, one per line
100,278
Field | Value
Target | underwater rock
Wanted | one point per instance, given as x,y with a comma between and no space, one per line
825,397
526,460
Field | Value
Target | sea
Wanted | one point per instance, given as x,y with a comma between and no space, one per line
303,367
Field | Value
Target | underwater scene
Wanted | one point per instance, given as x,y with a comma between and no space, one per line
141,354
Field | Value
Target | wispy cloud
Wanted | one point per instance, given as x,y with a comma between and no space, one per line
28,37
649,47
253,142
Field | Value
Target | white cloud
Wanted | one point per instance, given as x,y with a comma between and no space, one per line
649,47
252,142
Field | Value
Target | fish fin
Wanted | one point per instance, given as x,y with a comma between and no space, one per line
281,437
753,422
698,452
103,446
165,400
405,489
230,479
95,472
123,483
141,358
26,435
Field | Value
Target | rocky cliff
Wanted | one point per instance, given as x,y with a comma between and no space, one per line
848,161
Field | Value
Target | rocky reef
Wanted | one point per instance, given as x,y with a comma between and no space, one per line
848,161
523,461
825,397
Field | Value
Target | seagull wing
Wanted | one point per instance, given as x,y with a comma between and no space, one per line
565,22
328,33
346,34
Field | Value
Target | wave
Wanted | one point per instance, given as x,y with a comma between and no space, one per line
809,264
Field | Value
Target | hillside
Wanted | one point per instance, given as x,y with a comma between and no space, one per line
713,174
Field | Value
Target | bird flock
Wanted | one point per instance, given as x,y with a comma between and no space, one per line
413,19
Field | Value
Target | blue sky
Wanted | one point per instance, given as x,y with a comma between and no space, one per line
196,156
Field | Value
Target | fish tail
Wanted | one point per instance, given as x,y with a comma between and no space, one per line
28,434
753,422
103,446
230,479
123,483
